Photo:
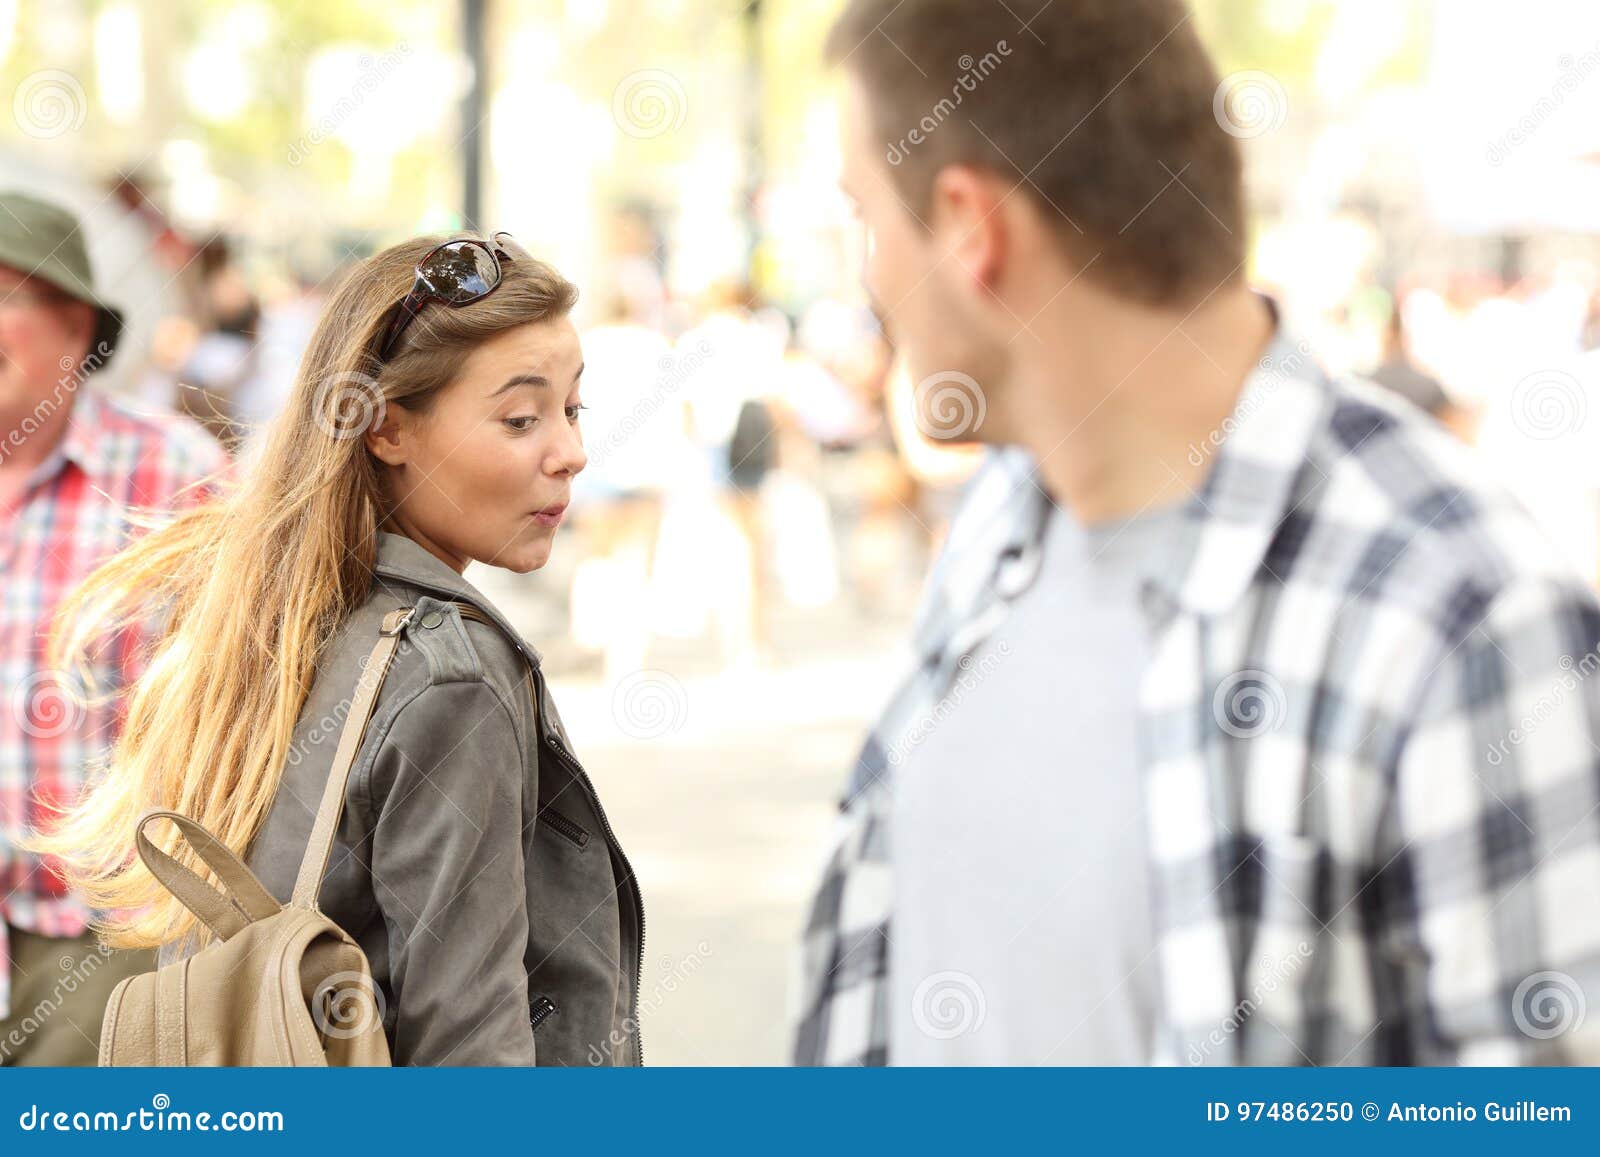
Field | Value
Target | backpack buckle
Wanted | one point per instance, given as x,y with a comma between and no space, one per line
395,621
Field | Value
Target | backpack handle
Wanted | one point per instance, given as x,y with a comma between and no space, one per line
320,845
241,901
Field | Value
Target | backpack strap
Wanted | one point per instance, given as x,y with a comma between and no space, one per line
320,846
241,901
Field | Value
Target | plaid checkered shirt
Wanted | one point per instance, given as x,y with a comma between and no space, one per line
1368,740
71,516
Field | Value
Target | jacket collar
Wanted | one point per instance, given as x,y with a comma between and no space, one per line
402,558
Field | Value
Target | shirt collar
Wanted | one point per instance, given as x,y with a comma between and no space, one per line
81,440
1257,456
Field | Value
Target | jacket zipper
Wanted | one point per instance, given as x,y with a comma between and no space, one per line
570,829
632,882
467,610
542,1009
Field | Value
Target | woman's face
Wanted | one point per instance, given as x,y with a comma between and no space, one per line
487,472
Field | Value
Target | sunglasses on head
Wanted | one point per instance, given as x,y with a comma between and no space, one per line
455,273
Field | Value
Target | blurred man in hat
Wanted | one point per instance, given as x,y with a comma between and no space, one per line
73,463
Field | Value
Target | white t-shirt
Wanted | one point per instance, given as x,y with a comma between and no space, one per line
1022,931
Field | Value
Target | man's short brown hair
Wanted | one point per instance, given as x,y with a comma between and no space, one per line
1105,106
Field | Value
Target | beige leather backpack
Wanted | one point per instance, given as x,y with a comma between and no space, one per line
279,985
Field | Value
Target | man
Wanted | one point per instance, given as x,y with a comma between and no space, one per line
73,463
1248,725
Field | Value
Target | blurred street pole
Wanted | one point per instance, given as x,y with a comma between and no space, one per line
473,21
755,161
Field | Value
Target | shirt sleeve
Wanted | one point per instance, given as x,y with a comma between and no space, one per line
1490,858
448,873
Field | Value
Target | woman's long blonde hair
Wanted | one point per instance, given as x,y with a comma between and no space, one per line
248,588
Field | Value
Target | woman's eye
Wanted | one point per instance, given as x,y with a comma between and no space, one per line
574,411
522,424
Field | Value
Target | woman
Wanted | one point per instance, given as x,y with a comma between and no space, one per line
434,422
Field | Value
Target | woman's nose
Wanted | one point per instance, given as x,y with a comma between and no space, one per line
568,456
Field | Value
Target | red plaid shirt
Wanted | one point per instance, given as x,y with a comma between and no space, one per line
72,515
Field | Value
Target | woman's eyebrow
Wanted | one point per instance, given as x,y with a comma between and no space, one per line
521,380
529,380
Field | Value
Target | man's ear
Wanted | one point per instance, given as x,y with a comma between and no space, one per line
81,322
389,439
968,221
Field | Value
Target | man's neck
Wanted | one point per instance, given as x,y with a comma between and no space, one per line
36,438
1112,400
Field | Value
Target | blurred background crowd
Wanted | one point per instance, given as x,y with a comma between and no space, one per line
723,611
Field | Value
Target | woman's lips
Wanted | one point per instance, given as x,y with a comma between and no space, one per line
550,515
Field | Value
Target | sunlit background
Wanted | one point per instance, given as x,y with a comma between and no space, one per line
725,611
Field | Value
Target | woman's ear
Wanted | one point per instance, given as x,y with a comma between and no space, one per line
389,439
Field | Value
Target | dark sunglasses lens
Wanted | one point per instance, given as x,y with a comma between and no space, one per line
460,272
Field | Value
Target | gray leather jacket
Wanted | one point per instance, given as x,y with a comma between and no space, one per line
473,862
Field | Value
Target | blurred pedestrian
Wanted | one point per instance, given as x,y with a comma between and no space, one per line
1400,373
1590,338
631,431
222,366
75,467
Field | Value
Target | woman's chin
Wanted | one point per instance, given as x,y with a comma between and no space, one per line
525,557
